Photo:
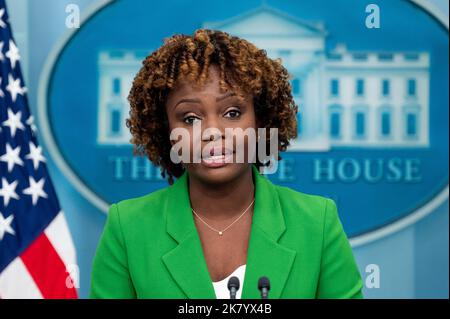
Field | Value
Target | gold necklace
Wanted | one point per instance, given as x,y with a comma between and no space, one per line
221,231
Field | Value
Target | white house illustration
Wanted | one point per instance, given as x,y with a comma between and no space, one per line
116,73
345,98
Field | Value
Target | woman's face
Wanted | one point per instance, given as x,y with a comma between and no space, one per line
208,108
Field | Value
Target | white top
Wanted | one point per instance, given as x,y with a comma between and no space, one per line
221,287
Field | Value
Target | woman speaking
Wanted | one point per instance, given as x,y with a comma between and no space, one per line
222,217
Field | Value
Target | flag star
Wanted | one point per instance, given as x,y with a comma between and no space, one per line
14,87
30,122
35,155
8,191
11,157
35,189
5,225
14,122
2,57
2,94
2,23
13,54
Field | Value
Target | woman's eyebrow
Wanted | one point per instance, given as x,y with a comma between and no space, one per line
228,94
219,98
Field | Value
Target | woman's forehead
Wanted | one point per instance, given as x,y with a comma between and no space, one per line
211,88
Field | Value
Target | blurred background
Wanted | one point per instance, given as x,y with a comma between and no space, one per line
370,79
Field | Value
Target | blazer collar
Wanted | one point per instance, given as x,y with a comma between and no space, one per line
265,256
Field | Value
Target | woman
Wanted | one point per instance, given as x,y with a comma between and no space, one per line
220,218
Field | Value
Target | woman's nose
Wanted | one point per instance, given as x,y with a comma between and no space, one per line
212,130
211,134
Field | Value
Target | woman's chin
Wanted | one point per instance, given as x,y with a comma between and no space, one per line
217,173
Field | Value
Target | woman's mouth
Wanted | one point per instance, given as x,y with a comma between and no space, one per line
215,160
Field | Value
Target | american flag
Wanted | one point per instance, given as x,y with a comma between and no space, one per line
37,256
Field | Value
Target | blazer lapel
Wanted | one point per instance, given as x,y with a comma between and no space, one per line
265,256
186,262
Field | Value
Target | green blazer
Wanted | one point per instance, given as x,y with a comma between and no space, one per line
150,247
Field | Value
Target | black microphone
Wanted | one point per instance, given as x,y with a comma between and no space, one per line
233,286
264,287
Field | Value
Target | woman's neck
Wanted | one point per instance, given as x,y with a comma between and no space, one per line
222,202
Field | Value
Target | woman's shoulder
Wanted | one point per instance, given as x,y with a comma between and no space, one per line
291,195
150,204
302,205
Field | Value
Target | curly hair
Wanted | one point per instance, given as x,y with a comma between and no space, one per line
241,65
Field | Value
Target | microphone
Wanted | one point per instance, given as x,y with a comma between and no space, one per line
233,286
264,287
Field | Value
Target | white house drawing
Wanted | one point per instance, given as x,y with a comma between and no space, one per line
345,98
116,73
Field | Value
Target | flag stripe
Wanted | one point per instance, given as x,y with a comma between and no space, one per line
58,234
44,263
16,282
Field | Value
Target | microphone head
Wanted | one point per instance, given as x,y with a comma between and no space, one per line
233,282
263,282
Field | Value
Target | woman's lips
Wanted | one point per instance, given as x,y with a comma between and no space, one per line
217,150
217,160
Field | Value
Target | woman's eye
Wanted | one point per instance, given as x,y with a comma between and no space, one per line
233,113
190,119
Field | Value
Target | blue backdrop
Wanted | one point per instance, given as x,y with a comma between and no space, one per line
413,259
